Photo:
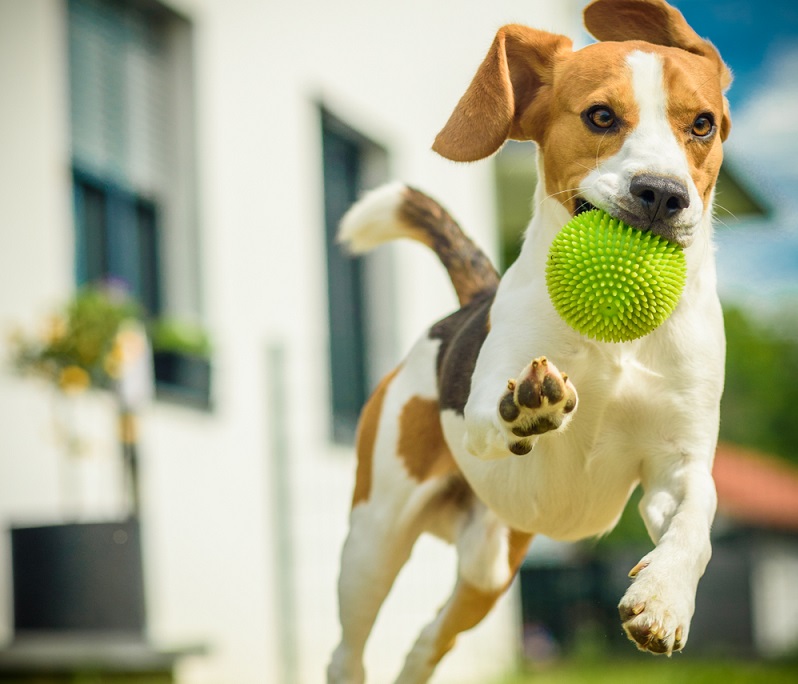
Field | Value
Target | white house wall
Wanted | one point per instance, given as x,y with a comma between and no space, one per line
774,602
391,70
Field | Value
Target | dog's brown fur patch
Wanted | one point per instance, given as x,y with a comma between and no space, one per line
570,147
468,605
366,437
465,609
519,543
422,447
684,76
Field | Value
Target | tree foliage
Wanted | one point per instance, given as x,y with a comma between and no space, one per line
760,402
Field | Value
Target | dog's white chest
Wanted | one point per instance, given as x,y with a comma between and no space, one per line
574,484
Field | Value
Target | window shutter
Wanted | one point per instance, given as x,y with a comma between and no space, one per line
119,98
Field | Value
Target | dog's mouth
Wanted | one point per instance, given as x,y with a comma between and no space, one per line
662,228
581,205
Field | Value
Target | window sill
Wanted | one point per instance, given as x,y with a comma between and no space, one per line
182,379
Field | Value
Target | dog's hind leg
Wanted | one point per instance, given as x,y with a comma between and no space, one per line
393,493
489,554
374,552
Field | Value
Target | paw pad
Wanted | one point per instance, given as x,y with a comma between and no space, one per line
535,403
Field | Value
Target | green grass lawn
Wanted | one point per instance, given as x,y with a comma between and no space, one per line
660,671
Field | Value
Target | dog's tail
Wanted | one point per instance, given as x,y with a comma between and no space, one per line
396,211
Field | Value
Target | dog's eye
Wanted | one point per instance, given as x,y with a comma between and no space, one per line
601,118
703,126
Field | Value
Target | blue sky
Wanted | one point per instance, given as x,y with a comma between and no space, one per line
758,263
749,35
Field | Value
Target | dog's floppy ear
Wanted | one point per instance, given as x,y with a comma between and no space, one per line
511,78
654,21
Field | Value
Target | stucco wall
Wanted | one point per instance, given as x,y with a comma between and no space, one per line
391,70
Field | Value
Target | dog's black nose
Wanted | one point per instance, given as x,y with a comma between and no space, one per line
659,197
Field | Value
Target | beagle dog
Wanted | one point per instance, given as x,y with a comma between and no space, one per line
479,436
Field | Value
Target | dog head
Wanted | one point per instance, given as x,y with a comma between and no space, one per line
632,124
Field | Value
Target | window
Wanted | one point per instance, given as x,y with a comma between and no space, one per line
351,163
132,154
116,235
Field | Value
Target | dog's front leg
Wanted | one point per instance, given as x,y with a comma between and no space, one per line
510,420
678,508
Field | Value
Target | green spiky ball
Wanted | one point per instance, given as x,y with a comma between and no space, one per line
612,282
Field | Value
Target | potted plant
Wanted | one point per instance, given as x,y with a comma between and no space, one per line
79,348
86,577
96,342
181,360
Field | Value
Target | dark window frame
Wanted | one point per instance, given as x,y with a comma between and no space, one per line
117,238
345,165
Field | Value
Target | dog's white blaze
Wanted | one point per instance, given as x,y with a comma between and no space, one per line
649,91
653,145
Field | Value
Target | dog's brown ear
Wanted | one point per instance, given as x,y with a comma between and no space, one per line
511,78
654,21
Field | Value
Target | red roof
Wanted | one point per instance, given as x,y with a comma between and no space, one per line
756,489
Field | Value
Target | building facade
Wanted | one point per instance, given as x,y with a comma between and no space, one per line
201,152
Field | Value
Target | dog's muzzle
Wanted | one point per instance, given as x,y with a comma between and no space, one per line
653,203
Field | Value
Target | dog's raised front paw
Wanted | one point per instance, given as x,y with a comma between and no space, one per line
656,612
537,402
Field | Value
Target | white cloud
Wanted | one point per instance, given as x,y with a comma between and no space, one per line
758,262
765,127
